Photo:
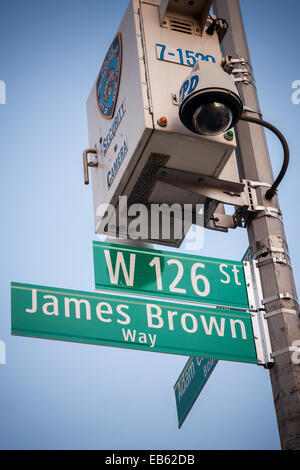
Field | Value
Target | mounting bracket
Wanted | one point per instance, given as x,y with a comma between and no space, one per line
216,193
257,308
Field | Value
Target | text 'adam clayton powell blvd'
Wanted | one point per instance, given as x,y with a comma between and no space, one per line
132,323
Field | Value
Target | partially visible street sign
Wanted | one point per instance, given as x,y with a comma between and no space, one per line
195,375
190,383
247,255
122,321
169,275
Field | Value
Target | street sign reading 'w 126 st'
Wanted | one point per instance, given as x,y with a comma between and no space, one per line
122,321
167,274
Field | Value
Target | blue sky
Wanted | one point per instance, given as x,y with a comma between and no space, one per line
62,395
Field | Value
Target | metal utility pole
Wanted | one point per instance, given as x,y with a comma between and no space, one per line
267,242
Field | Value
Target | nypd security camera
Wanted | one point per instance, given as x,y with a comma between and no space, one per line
161,102
209,103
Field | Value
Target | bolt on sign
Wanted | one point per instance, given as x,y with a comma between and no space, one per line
166,274
122,321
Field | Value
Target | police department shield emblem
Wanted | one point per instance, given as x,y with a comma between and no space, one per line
107,85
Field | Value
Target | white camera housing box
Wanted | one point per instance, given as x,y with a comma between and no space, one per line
155,48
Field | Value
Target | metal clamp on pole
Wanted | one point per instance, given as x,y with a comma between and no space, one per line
86,163
281,311
273,259
229,63
269,251
266,211
284,296
285,350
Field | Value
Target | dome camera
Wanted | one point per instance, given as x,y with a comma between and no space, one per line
209,103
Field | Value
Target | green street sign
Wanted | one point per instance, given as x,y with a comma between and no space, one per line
122,321
190,383
169,275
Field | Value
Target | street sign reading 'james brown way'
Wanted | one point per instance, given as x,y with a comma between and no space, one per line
122,321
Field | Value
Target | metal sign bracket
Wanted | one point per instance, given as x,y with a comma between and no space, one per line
218,192
257,311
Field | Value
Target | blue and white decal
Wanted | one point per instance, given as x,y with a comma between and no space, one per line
188,86
114,127
181,56
107,85
117,163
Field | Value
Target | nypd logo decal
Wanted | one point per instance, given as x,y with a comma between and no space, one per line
107,85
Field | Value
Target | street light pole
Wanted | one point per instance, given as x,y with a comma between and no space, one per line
267,242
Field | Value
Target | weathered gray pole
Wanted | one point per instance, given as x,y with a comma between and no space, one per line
267,241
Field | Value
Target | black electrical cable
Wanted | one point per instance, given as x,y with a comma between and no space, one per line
222,23
272,191
218,24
